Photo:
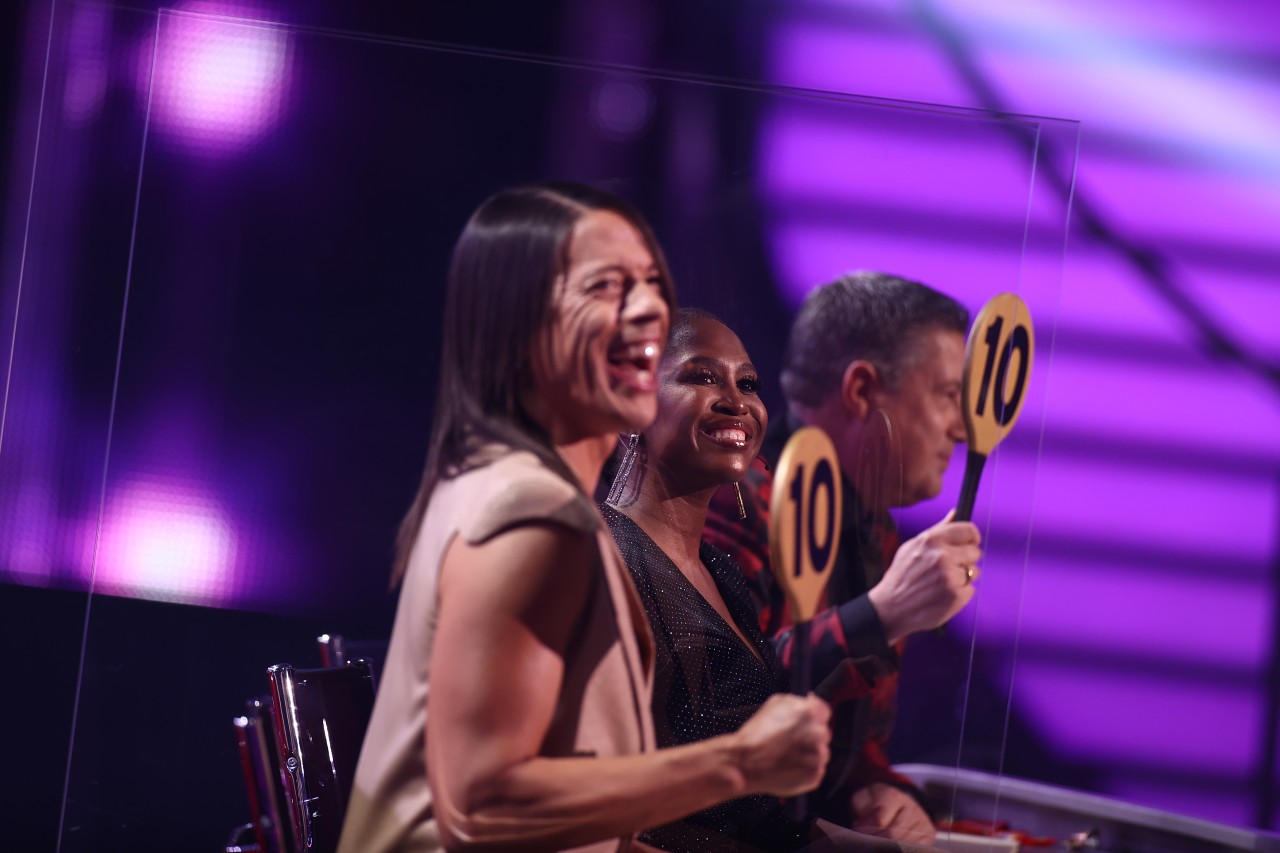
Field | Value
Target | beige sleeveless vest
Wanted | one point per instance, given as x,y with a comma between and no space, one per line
604,701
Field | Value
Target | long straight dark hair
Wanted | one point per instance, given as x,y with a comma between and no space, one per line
501,279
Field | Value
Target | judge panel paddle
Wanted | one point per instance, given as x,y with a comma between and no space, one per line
997,367
804,532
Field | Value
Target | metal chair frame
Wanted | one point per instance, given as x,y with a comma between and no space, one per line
255,737
317,713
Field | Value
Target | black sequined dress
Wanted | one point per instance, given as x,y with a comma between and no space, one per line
706,683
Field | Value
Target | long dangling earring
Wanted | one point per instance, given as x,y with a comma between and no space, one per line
895,459
742,508
876,464
891,486
624,470
877,489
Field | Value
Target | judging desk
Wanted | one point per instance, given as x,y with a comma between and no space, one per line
1043,816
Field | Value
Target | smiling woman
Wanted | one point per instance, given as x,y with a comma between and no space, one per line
591,377
714,667
518,634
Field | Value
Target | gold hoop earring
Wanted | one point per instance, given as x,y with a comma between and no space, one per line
888,425
892,457
878,465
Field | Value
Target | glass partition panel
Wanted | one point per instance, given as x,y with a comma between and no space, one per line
71,188
286,199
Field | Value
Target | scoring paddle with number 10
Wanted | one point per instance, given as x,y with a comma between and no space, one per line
993,388
819,548
804,536
1006,407
804,522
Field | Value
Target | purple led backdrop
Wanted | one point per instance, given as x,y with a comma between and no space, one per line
167,524
1146,624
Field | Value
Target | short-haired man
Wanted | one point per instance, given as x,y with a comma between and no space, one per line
876,361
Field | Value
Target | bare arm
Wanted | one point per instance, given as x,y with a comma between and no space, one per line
507,611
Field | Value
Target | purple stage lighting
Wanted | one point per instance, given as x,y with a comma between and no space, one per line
169,540
1145,602
622,108
217,79
87,68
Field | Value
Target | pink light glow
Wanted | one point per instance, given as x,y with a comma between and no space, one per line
166,539
218,84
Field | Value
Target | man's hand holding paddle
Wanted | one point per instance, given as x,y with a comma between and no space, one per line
930,579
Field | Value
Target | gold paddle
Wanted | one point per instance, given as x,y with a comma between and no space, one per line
804,535
997,368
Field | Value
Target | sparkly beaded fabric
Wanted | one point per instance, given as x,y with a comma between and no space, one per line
706,683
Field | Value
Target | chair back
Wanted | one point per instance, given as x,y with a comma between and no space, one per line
256,740
320,716
337,649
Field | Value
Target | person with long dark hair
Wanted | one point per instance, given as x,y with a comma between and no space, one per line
514,705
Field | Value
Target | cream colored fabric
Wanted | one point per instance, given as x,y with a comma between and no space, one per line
604,701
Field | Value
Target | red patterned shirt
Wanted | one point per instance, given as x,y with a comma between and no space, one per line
855,667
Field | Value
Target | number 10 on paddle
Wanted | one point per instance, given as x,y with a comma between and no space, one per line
804,535
997,367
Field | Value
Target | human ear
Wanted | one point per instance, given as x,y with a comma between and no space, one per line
858,386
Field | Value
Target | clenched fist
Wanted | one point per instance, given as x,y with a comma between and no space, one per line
783,748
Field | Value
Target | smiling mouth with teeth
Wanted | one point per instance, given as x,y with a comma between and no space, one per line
732,437
635,365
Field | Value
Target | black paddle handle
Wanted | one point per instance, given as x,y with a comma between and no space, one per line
801,675
801,663
968,494
969,488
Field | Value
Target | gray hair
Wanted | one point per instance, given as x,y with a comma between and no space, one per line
861,315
